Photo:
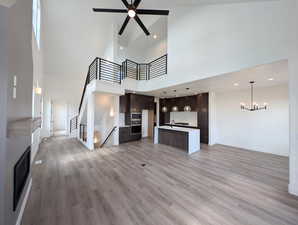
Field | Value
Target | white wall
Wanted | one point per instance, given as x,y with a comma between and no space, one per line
3,102
18,41
209,40
145,49
293,93
106,116
72,36
144,53
265,131
37,107
185,117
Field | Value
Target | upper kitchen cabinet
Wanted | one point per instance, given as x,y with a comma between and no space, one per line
136,103
125,104
202,104
180,102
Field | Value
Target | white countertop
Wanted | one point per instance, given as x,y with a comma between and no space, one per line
183,129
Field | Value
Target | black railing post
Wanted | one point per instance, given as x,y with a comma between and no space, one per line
98,68
166,63
147,71
126,68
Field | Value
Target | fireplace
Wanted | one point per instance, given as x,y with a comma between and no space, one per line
21,173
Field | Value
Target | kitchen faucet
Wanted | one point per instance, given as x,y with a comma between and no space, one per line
172,122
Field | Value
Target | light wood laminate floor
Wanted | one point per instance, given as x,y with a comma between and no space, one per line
217,186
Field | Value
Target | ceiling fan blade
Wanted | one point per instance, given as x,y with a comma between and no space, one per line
110,10
142,25
153,12
124,25
125,3
137,3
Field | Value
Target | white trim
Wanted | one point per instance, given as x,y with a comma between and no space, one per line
293,189
19,220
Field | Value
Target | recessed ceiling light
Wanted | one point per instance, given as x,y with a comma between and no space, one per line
271,79
121,47
187,89
155,36
236,84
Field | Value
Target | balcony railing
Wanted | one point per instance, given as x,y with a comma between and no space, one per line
145,71
101,69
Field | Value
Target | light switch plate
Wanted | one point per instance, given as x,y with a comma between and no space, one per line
14,89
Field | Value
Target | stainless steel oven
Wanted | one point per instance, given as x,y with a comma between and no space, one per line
136,123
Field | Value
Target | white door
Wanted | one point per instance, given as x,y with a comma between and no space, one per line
59,118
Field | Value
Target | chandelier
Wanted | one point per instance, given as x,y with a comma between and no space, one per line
253,106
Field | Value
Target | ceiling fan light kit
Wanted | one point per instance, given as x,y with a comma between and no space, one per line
132,12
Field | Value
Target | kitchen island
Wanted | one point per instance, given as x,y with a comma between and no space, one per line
187,139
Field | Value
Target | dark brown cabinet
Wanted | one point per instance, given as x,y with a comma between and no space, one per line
203,116
124,104
125,135
180,102
133,103
136,103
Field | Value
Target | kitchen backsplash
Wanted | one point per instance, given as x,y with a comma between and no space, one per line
185,117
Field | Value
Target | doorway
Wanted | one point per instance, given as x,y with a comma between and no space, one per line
59,118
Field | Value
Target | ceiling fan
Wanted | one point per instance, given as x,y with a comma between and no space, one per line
133,12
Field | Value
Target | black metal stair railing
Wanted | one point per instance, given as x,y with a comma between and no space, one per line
108,137
101,69
145,71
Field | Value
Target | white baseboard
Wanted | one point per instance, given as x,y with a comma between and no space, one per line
293,189
19,220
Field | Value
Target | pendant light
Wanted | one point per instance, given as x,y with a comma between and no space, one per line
187,108
174,109
164,109
253,105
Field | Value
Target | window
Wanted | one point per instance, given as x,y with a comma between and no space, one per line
36,20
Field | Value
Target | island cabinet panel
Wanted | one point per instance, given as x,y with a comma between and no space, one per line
177,139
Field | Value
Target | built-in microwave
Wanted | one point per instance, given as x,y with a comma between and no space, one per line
136,116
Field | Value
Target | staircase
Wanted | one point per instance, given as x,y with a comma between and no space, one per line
73,126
